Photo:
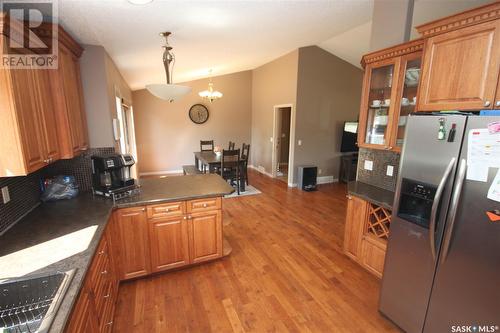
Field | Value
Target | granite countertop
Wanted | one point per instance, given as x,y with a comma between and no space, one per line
177,188
374,194
62,235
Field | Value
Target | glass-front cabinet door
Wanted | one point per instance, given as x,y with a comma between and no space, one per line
379,91
409,76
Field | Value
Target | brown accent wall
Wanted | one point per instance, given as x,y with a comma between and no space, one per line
166,137
328,93
273,84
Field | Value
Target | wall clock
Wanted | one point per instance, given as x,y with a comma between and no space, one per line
198,113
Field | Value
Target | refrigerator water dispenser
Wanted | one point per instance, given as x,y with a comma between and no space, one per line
415,202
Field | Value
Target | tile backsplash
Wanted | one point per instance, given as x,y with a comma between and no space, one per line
25,191
380,161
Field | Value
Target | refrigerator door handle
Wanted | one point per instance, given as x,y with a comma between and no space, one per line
455,199
435,205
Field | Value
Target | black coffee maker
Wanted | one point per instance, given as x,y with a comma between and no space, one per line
111,174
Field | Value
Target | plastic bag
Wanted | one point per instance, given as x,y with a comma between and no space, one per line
61,188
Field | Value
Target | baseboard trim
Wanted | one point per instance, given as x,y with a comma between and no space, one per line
159,173
326,180
260,171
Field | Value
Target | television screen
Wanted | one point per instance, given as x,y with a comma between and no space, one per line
349,137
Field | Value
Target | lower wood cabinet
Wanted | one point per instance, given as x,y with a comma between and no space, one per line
131,241
366,232
206,236
95,306
165,236
169,243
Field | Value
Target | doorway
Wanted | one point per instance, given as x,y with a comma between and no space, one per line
283,143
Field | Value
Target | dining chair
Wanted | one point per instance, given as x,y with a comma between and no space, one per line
231,145
230,167
245,154
206,145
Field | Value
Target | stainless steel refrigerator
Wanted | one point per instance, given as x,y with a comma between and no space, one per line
442,268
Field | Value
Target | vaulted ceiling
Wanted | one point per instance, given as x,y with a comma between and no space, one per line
227,36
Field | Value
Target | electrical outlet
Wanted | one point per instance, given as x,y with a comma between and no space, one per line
271,139
320,171
390,171
5,194
368,165
299,142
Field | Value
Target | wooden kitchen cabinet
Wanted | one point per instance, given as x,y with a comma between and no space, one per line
461,67
356,214
42,118
84,317
132,245
366,233
205,235
168,243
68,97
95,306
389,92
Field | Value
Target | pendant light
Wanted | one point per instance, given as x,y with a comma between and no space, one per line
210,94
169,91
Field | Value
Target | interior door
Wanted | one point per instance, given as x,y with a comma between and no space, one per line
466,288
409,263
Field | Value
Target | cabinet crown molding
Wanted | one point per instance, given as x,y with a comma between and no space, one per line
461,20
393,51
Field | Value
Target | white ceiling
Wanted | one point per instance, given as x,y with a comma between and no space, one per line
228,36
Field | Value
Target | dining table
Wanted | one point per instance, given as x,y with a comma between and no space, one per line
212,160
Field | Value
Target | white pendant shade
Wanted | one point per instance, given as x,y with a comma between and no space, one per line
169,92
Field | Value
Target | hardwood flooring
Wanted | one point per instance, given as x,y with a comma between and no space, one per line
287,273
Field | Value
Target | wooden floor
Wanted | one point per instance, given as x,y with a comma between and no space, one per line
286,273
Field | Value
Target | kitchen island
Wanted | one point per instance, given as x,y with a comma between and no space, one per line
80,233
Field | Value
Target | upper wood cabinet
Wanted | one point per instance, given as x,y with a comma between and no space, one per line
461,61
68,98
389,94
28,134
42,118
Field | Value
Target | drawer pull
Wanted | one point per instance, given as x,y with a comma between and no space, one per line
110,323
101,252
167,210
107,296
204,205
104,272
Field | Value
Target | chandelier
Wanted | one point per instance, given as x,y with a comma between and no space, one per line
210,94
169,91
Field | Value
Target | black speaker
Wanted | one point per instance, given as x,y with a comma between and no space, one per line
307,178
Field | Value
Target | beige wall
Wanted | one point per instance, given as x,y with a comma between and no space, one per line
96,99
167,138
101,82
273,84
328,93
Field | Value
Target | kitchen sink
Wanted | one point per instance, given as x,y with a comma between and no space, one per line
29,304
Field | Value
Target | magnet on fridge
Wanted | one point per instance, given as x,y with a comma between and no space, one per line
494,215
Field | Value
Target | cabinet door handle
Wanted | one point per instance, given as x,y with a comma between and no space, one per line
389,148
204,205
190,217
497,103
143,209
348,197
107,296
167,210
487,103
101,252
109,323
104,272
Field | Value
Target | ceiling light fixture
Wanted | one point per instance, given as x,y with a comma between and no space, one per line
169,91
210,94
140,2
